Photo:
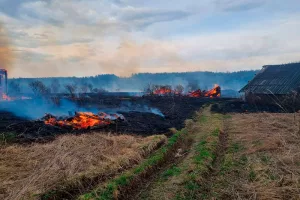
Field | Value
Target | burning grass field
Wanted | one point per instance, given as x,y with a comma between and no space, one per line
69,161
143,116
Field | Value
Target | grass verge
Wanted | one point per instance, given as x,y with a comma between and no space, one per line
201,164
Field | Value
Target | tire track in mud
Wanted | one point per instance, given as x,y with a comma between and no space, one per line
182,150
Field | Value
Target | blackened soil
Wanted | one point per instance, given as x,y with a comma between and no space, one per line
175,111
239,106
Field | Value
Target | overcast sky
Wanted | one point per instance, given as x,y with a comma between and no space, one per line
89,37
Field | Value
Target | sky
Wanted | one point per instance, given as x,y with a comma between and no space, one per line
41,38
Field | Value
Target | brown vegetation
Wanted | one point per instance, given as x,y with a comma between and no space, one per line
29,170
263,160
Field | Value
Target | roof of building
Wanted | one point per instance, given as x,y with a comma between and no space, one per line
275,79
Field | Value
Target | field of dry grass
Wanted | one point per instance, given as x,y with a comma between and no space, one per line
29,170
263,158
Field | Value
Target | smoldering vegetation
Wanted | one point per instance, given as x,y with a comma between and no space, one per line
21,120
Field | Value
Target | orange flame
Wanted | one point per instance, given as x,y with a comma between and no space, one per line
162,91
6,97
83,120
215,92
196,93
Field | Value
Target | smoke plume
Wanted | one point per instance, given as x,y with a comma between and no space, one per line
133,57
6,55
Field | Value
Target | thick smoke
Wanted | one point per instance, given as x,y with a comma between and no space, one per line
6,55
37,108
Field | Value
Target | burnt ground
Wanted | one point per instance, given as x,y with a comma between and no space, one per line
239,106
168,112
175,111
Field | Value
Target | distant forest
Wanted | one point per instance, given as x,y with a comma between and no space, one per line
136,83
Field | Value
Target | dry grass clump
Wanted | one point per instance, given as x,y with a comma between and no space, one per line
268,145
28,170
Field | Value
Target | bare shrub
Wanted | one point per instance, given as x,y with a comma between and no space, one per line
39,88
14,87
55,86
71,89
90,86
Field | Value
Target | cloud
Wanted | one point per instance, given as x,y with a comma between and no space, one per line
89,37
142,17
239,5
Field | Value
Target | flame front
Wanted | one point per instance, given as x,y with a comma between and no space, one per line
196,93
215,92
83,120
162,91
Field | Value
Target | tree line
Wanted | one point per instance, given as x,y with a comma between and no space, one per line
137,82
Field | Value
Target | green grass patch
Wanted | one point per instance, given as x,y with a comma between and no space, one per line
173,171
243,160
235,148
272,176
203,119
227,116
231,163
252,175
7,137
203,159
265,159
216,132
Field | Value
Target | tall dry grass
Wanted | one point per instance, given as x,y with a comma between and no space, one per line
29,170
271,143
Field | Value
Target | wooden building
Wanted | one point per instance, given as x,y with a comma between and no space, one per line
274,84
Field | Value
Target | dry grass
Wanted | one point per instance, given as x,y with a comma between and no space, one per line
269,146
28,170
